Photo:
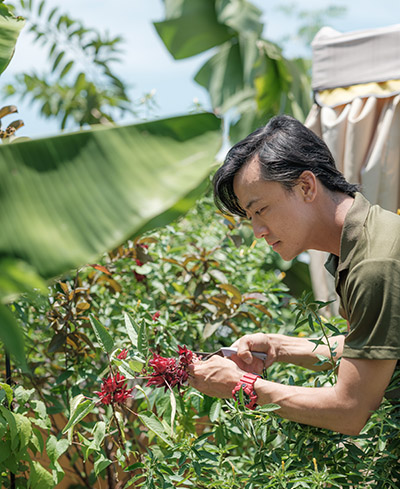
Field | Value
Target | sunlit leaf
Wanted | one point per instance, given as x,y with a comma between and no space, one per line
103,336
64,200
191,28
39,477
79,408
55,448
155,425
132,329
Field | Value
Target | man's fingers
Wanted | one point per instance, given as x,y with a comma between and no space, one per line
243,351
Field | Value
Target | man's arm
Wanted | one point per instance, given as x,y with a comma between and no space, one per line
286,349
344,407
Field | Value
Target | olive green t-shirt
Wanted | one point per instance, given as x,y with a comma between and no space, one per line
367,279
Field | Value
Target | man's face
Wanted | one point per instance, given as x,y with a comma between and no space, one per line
279,216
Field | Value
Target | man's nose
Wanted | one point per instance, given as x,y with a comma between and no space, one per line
260,230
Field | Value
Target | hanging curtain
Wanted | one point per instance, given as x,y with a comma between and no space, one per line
356,83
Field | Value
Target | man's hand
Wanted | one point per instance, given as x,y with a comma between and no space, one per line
216,377
254,342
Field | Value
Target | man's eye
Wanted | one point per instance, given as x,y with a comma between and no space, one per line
259,211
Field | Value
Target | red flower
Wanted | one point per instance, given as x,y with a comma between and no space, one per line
185,356
114,390
123,354
155,316
168,372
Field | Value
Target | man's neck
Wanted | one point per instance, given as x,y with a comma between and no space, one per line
334,208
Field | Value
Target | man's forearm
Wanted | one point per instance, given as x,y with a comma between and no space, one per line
303,352
320,407
344,407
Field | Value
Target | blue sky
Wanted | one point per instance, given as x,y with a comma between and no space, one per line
146,63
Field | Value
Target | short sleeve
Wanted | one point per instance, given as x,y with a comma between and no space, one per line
372,293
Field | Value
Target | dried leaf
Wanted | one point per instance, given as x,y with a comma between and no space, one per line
101,268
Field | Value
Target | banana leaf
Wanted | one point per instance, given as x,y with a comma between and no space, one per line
65,200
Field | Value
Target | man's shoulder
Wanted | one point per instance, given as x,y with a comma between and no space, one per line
381,234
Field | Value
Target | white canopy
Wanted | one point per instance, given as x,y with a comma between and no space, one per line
343,59
356,82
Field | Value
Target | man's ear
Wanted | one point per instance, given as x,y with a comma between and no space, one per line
308,185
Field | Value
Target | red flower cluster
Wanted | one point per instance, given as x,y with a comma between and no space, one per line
123,354
113,390
155,316
168,372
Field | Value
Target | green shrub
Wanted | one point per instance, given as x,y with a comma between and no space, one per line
210,283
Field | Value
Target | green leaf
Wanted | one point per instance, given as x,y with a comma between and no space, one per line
66,69
131,368
173,410
10,28
37,439
58,59
8,392
20,428
215,411
79,408
267,408
100,464
23,395
99,434
240,15
143,344
194,29
42,419
132,329
39,477
103,336
311,322
40,8
222,76
56,193
5,450
155,425
11,336
55,448
51,14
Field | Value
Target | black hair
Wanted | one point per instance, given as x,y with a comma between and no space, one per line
285,149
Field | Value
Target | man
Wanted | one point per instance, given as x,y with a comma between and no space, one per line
283,178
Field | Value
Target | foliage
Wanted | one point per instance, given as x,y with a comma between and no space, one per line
82,404
199,282
71,197
81,86
247,77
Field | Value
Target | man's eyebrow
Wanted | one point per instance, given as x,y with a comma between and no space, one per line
251,203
